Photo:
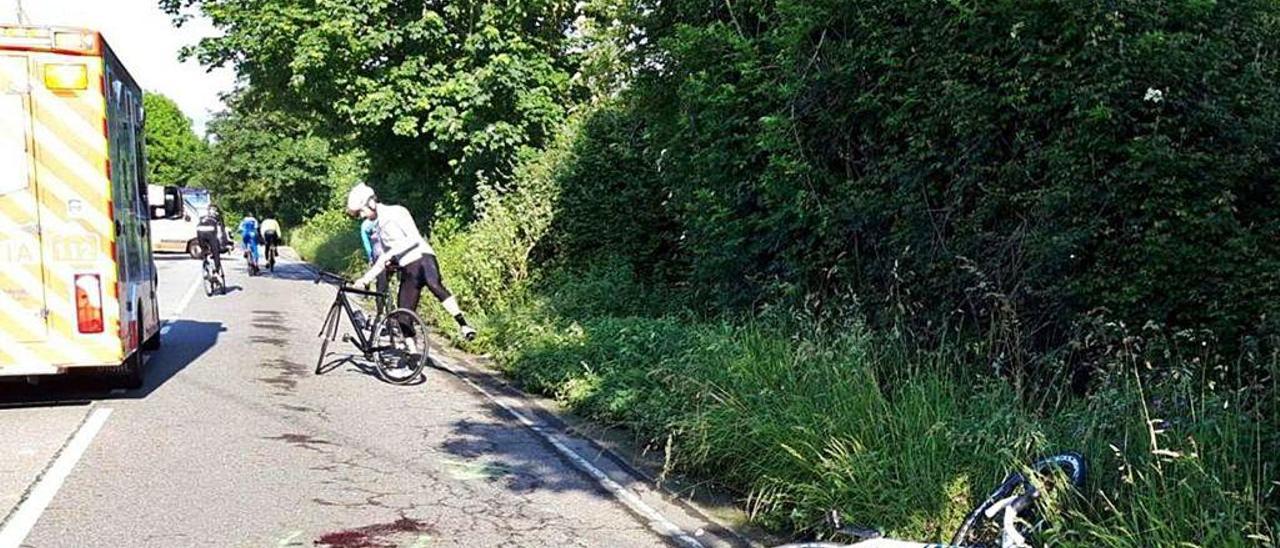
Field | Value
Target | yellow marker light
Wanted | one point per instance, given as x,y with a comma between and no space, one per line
66,77
77,41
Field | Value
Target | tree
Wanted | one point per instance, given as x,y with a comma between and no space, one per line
443,96
174,152
267,163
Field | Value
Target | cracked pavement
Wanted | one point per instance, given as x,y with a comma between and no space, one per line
234,441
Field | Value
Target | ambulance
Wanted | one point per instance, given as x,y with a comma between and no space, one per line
77,280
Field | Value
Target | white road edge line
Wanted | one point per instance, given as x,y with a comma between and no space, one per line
657,522
182,306
24,518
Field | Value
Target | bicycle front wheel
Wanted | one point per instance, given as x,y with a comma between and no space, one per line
1048,477
400,341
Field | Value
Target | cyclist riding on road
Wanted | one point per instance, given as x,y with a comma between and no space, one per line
402,244
271,238
209,236
249,236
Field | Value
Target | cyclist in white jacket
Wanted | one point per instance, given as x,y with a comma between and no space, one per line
403,245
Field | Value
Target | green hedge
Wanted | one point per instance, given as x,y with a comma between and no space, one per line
1003,168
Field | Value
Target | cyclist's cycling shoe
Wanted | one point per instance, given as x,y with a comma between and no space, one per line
467,332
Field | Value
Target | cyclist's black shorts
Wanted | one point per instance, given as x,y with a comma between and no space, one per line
210,246
209,242
270,238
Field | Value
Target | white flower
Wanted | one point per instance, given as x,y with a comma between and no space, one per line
1154,95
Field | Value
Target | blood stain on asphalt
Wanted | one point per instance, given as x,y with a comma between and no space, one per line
372,536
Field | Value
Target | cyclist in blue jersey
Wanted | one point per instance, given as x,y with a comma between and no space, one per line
373,250
369,237
249,236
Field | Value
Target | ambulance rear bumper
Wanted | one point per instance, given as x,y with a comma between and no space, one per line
24,370
42,369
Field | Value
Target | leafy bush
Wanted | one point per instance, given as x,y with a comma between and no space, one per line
330,240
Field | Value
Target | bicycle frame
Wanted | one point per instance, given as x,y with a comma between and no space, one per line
1009,536
363,340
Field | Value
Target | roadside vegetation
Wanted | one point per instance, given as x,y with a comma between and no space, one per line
827,254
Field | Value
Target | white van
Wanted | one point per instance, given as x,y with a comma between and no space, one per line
179,235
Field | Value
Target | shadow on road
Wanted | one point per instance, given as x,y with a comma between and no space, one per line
291,271
496,448
183,343
334,361
502,450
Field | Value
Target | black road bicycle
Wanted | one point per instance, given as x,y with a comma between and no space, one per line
215,280
271,256
382,339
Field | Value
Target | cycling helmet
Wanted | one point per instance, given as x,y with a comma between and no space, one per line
358,198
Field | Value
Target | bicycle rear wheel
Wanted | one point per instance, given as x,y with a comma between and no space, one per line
978,530
401,356
209,280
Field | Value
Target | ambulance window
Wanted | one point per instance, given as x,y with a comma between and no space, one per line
13,145
140,152
14,121
127,153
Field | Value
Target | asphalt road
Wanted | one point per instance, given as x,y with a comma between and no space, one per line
234,441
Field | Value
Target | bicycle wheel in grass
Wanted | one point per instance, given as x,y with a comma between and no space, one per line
981,530
401,343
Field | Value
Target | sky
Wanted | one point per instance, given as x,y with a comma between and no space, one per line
145,39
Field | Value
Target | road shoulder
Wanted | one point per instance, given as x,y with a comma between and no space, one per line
31,439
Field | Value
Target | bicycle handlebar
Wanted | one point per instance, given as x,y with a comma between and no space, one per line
325,276
346,285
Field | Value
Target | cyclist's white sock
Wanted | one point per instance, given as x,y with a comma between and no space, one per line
451,306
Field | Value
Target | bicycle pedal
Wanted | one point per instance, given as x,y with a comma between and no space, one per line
346,338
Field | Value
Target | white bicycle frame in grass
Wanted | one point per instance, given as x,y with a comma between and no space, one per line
1003,502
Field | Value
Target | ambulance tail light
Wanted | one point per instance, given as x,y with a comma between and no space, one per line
89,303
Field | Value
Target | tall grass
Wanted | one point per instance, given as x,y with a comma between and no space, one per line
895,437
